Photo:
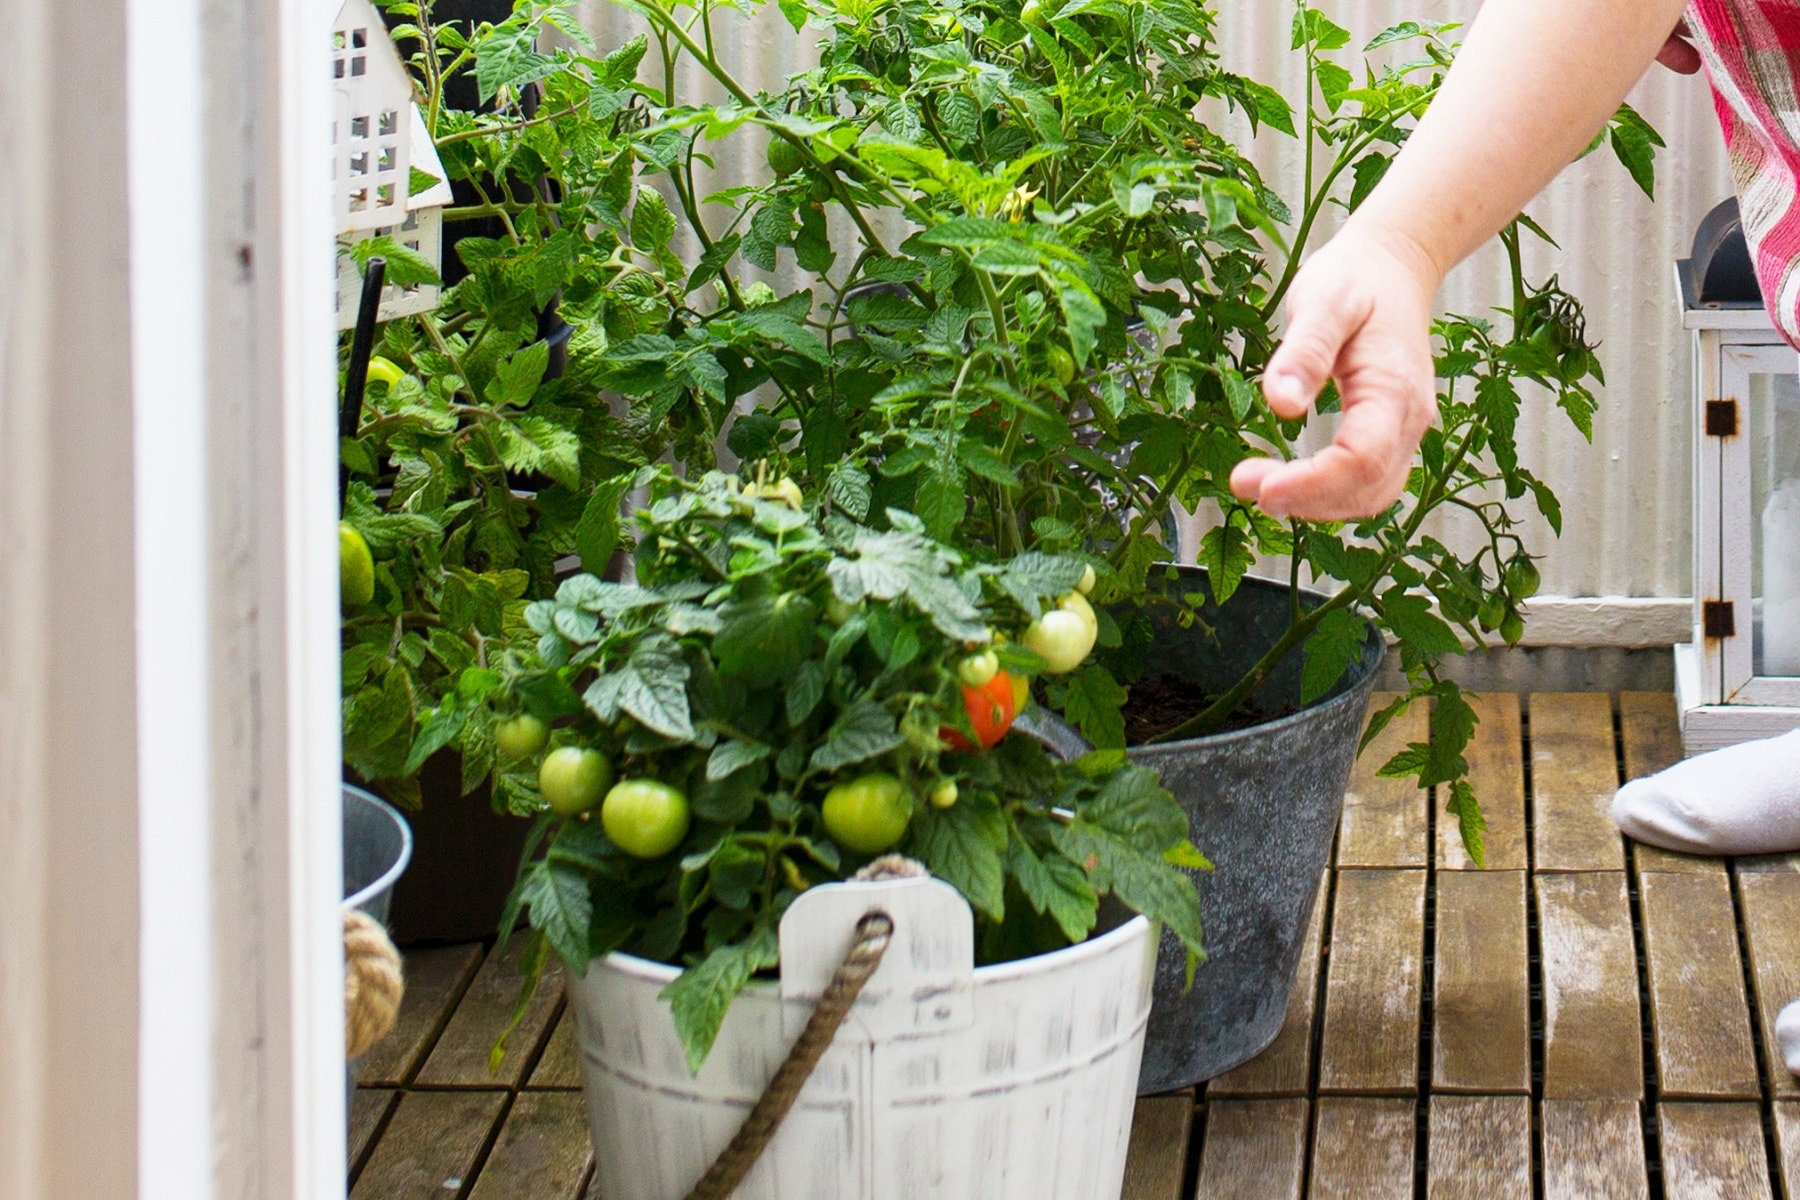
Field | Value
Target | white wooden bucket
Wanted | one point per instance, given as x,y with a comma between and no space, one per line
1011,1082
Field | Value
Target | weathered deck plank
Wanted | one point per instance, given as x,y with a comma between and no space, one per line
1713,1150
1592,1038
1650,732
1253,1150
368,1109
1386,822
460,1058
1697,1005
1362,1149
1370,1039
1770,903
435,980
1480,1147
1787,1146
1481,1011
1497,772
1285,1068
542,1152
560,1065
1593,1150
1157,1159
1574,773
432,1143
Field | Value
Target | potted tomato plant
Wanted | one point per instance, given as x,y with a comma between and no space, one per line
483,464
1061,349
783,696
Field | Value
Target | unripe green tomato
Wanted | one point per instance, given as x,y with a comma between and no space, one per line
1078,604
383,372
944,794
521,736
1088,580
1062,364
1062,639
1492,612
1523,579
1513,628
645,817
867,815
838,611
977,669
1033,14
573,778
356,567
784,157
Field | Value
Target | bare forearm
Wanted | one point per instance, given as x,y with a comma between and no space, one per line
1533,83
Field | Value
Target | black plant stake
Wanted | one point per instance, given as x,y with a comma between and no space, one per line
356,372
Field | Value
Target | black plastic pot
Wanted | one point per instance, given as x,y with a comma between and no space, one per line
464,860
1263,803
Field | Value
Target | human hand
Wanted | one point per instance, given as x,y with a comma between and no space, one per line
1359,312
1678,53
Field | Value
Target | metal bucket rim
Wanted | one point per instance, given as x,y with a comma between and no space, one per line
393,873
1068,956
1154,750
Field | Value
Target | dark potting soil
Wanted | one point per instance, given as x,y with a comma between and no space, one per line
1161,703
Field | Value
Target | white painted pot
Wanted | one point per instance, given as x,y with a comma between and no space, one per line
1011,1082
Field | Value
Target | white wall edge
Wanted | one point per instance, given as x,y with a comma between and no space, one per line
1619,622
166,167
314,866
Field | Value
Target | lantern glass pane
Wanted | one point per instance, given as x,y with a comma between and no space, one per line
1774,446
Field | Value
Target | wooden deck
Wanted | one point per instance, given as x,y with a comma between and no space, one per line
1583,1020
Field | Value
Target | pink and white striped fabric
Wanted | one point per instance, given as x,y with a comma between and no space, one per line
1752,53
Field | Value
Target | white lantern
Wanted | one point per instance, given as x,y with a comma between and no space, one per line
1740,676
380,145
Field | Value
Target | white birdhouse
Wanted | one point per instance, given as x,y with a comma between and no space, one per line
382,152
1740,676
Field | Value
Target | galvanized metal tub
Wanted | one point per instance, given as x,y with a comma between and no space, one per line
1263,803
377,846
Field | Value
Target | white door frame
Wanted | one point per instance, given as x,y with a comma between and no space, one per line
170,951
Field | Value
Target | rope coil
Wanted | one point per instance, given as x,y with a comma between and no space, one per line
373,986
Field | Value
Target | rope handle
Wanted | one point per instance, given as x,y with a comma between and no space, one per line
873,934
373,986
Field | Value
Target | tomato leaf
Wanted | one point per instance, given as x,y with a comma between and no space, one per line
699,997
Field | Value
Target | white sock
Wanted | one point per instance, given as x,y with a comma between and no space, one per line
1787,1034
1744,799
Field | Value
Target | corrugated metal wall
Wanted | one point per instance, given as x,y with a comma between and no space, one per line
1626,497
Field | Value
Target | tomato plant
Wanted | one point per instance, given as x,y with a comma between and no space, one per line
760,748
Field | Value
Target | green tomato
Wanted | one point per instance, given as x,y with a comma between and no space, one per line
1088,580
573,778
867,815
1513,628
1062,639
977,669
1062,364
1033,14
784,157
521,736
384,372
1522,578
1492,612
944,794
356,567
838,611
1078,604
645,817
